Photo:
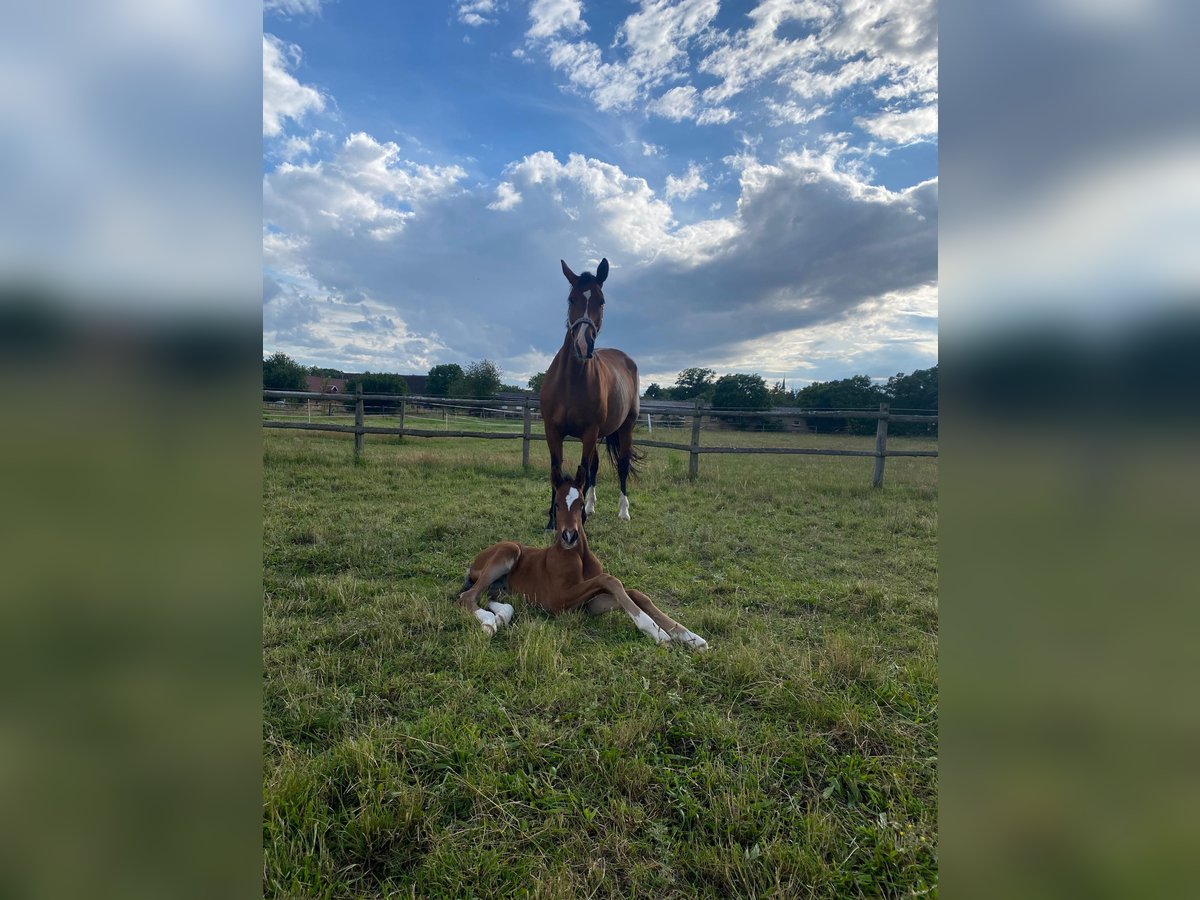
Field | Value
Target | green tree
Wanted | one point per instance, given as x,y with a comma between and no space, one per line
282,373
654,392
744,392
780,395
855,392
535,381
694,383
442,379
480,381
741,392
323,372
918,393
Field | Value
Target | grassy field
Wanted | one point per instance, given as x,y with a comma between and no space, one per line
406,754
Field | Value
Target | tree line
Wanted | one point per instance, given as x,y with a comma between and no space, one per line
916,392
479,380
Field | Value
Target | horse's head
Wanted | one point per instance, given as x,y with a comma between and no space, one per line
568,509
585,308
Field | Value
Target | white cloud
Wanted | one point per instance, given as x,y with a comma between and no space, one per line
365,187
283,96
652,49
716,115
611,86
690,183
293,8
650,149
902,127
744,58
549,17
506,197
295,147
812,48
810,247
477,12
656,37
790,113
676,104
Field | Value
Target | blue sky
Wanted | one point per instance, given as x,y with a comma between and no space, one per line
761,176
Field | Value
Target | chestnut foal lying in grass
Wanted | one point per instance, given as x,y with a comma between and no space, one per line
562,577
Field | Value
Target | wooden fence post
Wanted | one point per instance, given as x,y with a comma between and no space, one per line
881,428
358,421
400,437
525,433
694,460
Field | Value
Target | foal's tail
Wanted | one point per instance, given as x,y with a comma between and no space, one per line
613,442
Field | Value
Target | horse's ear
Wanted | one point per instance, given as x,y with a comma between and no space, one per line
580,478
571,276
602,270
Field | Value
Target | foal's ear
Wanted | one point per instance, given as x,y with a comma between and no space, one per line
571,276
602,270
580,478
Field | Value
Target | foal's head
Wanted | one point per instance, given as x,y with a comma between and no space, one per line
585,308
568,509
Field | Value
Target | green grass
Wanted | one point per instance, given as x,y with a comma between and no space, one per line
409,755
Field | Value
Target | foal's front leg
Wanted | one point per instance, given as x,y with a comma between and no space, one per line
665,622
596,593
606,603
489,567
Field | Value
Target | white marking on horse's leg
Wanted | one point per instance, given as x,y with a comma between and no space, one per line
648,626
487,620
503,612
590,506
623,508
690,638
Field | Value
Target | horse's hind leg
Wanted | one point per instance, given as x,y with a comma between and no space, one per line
624,464
488,568
666,623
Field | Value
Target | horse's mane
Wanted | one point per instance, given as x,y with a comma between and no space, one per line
584,279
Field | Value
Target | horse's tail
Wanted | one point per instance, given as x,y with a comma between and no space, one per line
613,442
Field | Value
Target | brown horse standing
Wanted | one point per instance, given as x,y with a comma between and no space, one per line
590,394
562,577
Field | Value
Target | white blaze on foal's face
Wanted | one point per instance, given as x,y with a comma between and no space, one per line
572,496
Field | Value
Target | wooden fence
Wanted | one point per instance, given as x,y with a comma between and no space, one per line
697,413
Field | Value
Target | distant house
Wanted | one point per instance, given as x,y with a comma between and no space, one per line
318,384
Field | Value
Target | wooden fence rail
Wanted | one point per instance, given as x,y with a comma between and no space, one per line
696,413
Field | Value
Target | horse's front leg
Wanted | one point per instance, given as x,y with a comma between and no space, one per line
554,441
598,593
589,462
589,505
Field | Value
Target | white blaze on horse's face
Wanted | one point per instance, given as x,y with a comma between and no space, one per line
572,496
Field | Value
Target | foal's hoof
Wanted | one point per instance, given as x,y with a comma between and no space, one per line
487,620
691,640
502,611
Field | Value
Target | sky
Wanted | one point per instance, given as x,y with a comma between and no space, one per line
762,178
